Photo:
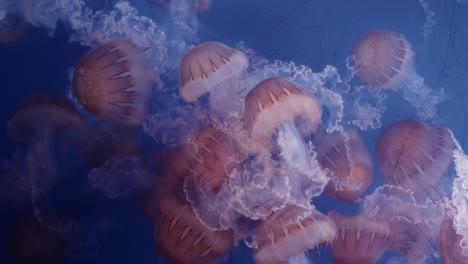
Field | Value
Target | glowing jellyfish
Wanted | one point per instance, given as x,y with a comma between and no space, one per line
113,81
210,157
180,237
32,243
289,232
359,239
450,244
414,221
213,67
277,113
46,122
346,156
385,59
414,155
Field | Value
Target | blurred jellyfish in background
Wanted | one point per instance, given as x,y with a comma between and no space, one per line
385,59
117,157
414,155
48,123
349,162
359,239
289,232
414,221
113,81
32,243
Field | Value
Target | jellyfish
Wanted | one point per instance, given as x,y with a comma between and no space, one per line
414,221
450,248
359,239
385,59
12,27
414,155
210,158
346,156
277,114
180,237
213,67
32,243
288,232
47,122
113,81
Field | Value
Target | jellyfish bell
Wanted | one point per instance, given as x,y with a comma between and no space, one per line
346,156
275,101
288,232
414,155
359,239
213,67
381,58
113,81
449,240
180,237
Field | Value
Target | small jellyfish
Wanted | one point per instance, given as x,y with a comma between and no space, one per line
213,67
180,237
359,239
12,27
346,156
47,122
32,243
113,81
385,59
414,155
450,248
288,232
278,113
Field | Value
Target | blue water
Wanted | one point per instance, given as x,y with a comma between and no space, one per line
311,33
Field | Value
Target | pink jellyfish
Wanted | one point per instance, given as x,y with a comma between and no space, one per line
450,248
414,155
385,59
180,237
212,67
360,239
349,161
113,81
288,232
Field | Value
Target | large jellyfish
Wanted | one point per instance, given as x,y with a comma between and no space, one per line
359,239
414,155
288,232
113,81
215,68
278,113
385,59
180,236
47,122
349,161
